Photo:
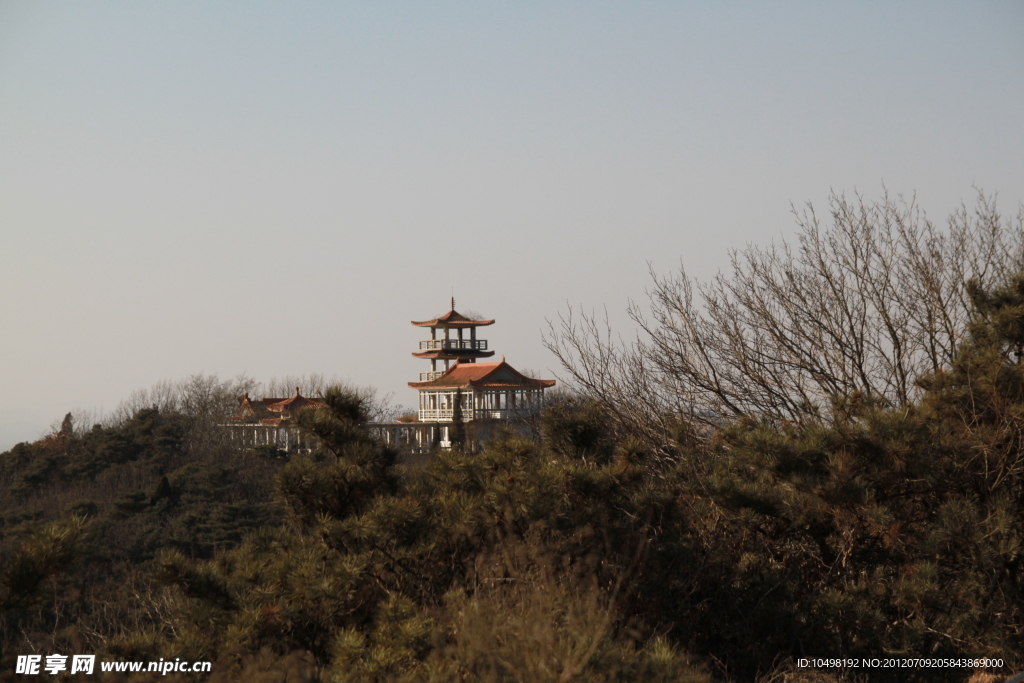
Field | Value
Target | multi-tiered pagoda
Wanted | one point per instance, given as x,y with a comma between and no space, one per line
451,343
487,391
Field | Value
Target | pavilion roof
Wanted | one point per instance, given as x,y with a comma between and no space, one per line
452,319
451,354
483,375
273,410
296,402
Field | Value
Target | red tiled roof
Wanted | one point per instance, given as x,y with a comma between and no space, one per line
296,402
264,409
483,375
453,353
452,319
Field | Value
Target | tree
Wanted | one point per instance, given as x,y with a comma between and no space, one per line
67,426
339,423
429,574
458,434
860,308
882,530
47,552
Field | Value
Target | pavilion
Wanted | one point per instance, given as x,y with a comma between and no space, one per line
482,395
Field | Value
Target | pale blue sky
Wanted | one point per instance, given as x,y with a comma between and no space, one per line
278,188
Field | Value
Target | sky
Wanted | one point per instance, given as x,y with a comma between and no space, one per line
278,188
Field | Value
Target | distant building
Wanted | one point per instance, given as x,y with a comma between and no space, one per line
273,421
485,395
489,391
448,348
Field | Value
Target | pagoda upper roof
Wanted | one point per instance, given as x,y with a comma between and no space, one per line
452,319
452,354
483,375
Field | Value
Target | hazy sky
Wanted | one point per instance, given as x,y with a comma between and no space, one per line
278,188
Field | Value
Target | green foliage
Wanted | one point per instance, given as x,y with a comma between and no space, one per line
361,470
583,557
364,577
578,427
44,553
896,531
145,485
151,437
524,617
339,424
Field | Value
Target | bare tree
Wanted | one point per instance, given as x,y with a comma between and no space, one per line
617,373
205,398
209,400
859,308
312,385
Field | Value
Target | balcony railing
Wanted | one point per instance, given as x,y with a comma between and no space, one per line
503,413
442,415
446,414
429,376
453,344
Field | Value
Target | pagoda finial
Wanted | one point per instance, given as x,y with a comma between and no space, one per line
453,303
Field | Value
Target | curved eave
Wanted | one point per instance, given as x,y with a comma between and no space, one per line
296,404
438,384
452,354
530,384
437,322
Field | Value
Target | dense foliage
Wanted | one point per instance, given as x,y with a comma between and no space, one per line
94,509
587,556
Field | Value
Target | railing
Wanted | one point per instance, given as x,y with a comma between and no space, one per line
456,344
446,414
412,437
503,413
290,439
442,414
428,376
